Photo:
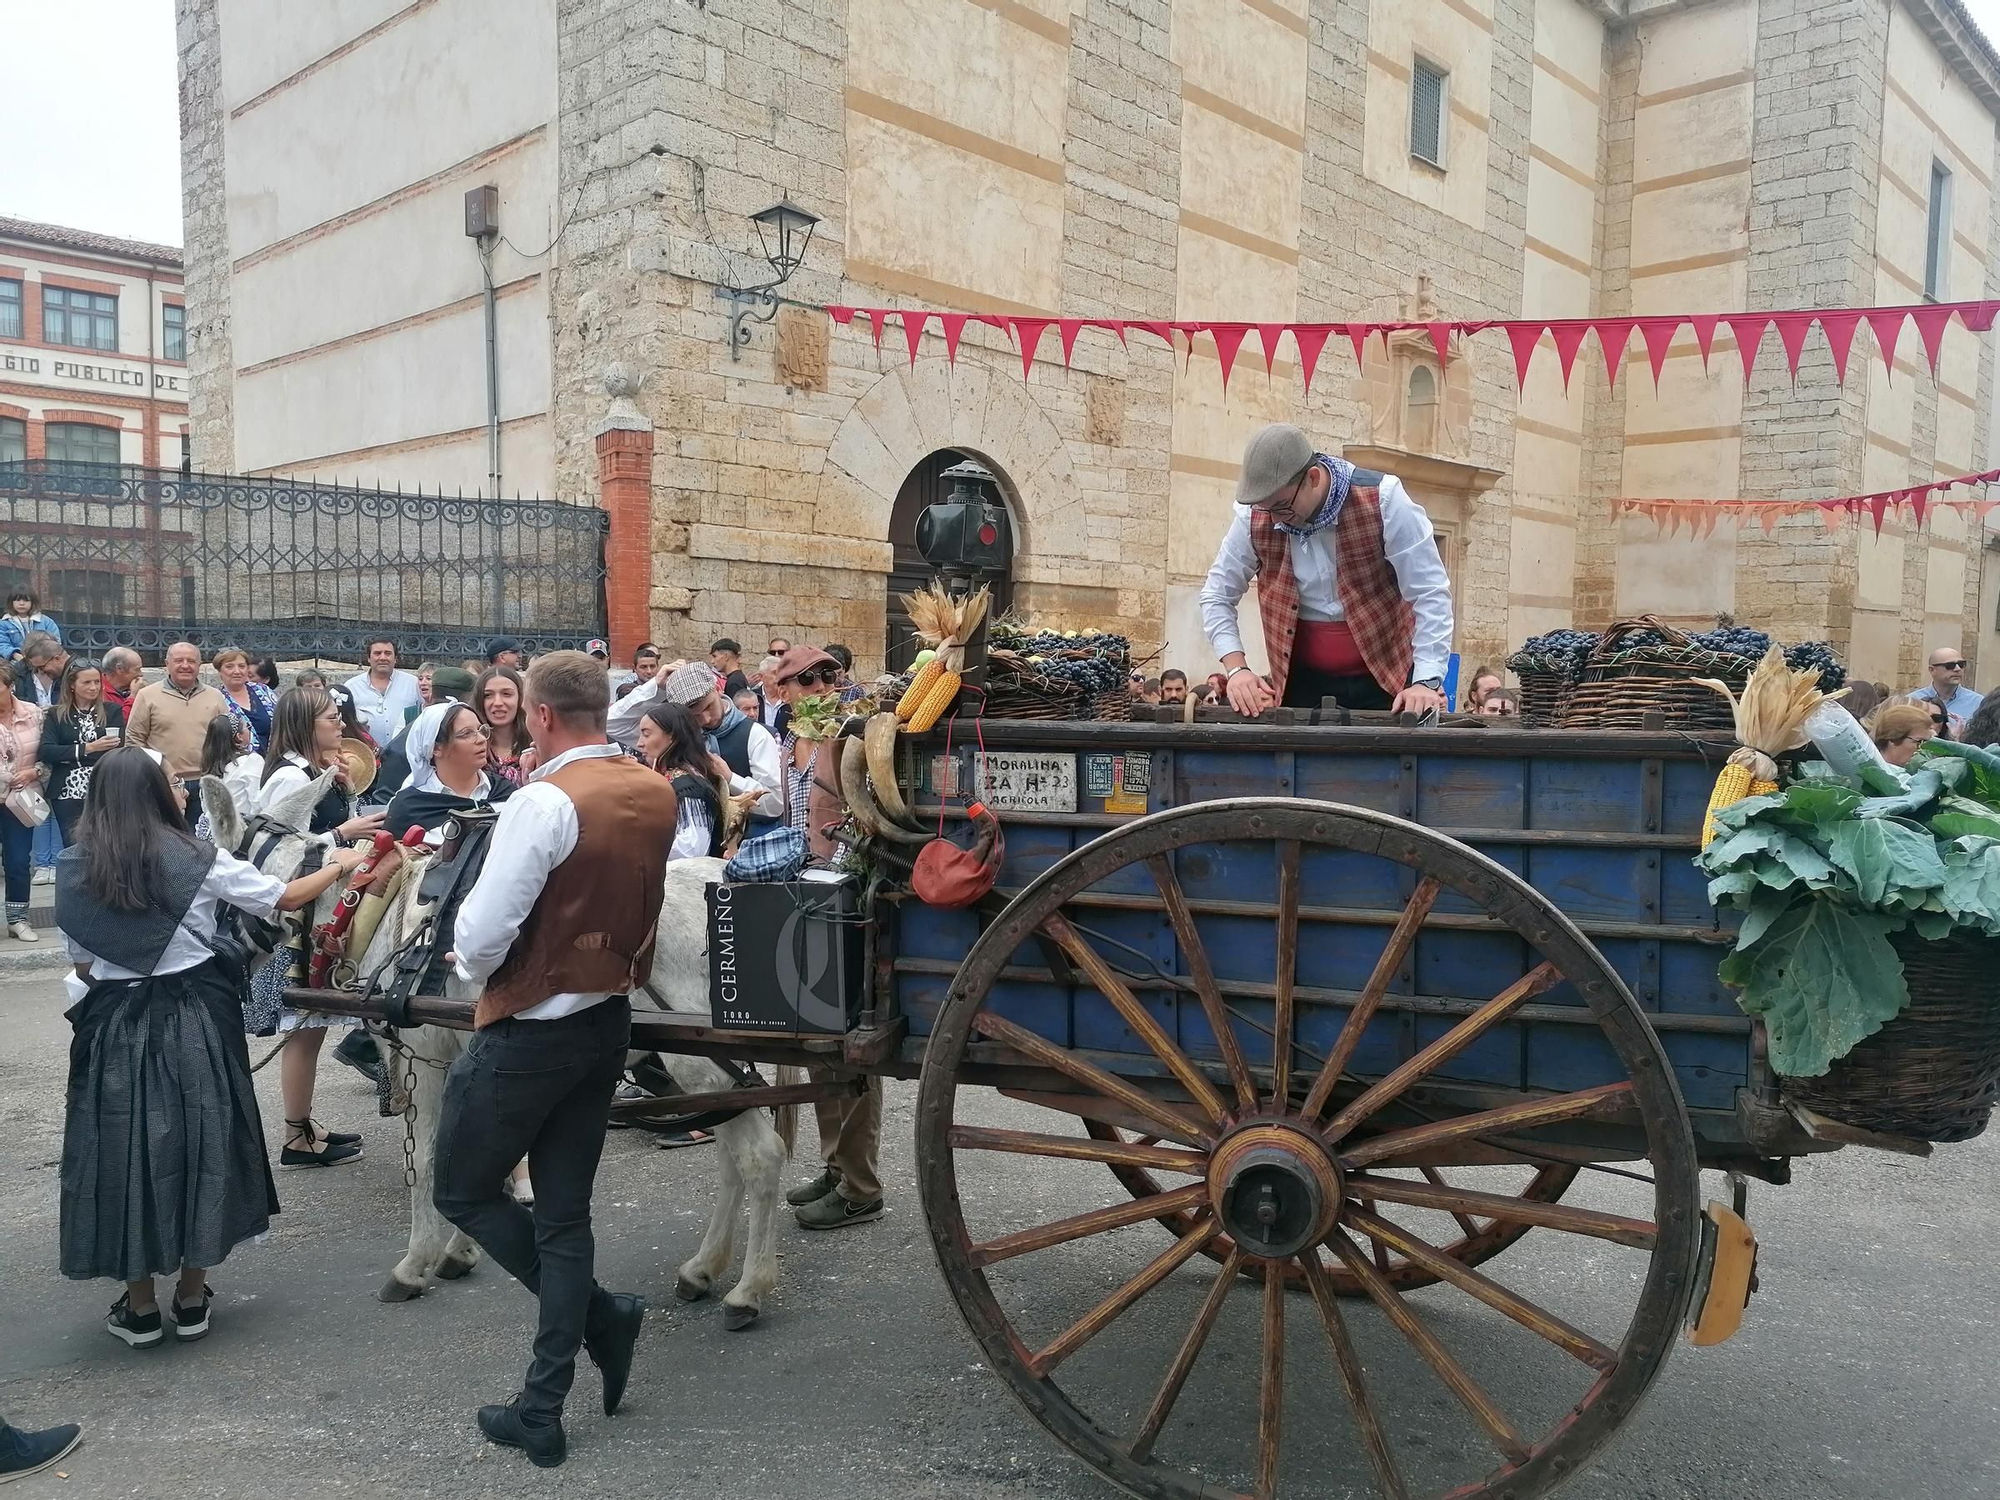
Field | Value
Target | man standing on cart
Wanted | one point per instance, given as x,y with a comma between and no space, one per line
1353,595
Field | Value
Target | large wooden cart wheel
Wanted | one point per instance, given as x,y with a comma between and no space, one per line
1470,1390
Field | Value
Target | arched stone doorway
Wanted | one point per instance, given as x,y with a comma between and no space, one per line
922,489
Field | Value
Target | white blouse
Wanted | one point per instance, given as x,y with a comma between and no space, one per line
241,778
288,778
229,879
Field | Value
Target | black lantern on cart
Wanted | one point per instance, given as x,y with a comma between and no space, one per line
968,540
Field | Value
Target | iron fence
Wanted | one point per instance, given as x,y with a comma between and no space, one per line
145,557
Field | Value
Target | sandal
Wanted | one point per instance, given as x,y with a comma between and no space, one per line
299,1150
675,1140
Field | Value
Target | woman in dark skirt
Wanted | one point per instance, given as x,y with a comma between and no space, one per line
163,1166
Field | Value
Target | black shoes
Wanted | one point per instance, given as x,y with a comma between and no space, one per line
138,1330
610,1348
358,1050
542,1441
191,1323
299,1137
25,1453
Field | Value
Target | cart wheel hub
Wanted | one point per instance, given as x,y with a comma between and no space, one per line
1275,1188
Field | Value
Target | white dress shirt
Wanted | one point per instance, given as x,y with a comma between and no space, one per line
761,749
229,879
382,710
535,832
692,833
242,778
1408,544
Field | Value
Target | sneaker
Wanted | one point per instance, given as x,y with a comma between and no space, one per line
140,1331
191,1323
542,1440
21,931
835,1211
815,1190
25,1453
45,875
357,1049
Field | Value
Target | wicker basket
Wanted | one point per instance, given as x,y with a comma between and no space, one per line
1543,689
1622,684
1114,704
1929,1074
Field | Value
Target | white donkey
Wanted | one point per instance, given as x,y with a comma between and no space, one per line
752,1150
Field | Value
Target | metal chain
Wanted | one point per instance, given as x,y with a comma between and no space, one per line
409,1117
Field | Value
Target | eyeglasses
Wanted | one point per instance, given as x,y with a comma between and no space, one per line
816,677
475,733
1271,507
1949,666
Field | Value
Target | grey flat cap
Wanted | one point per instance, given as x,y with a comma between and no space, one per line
1274,457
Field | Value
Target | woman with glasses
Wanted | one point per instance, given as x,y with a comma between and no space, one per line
1900,730
447,750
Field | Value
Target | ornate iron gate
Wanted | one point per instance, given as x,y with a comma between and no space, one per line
144,557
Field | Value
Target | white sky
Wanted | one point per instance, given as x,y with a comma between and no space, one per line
90,117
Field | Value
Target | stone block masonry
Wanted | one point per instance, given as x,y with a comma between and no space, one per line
211,360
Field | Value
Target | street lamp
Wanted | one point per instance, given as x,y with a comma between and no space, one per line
792,227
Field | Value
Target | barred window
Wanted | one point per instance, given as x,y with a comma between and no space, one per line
10,310
81,443
1937,237
173,332
1429,88
79,320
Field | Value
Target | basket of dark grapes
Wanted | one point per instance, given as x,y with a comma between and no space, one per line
1056,674
1548,666
1646,673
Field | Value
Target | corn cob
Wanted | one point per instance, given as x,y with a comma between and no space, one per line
936,697
1732,785
1769,722
926,678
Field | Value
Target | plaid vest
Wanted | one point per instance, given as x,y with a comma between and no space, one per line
1383,622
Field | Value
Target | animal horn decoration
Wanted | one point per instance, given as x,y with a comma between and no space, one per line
329,939
869,819
879,739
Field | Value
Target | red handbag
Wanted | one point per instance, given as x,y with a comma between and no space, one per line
948,876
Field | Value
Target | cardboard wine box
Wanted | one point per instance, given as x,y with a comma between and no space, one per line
785,957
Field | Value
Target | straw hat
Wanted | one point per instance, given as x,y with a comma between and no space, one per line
361,764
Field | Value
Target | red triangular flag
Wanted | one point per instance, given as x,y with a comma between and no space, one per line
1839,330
877,316
1309,339
841,315
1069,328
1613,334
1887,326
1357,335
1878,506
1768,514
1792,329
1568,334
1919,498
1268,335
1228,339
1703,325
1931,323
1524,337
1164,332
1029,332
1978,316
913,330
1749,331
1441,341
953,325
1659,335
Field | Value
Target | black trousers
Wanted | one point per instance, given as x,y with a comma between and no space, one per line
1304,688
540,1089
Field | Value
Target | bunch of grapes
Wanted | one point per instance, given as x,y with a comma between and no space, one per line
1734,640
1560,651
1818,656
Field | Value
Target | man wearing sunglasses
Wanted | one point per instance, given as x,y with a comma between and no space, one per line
1353,595
1948,689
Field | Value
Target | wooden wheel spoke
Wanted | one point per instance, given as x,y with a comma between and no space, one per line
1100,1317
1271,1404
1184,1358
1288,968
1195,956
1468,1391
1640,1234
1134,1098
1546,1109
1352,1382
1076,1148
1570,1340
1465,1221
1414,915
1544,976
1142,1021
1079,1226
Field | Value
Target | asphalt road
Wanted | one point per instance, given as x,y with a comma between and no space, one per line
1865,1371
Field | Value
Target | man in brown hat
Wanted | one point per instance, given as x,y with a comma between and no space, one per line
1353,595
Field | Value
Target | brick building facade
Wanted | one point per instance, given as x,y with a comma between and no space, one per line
1248,159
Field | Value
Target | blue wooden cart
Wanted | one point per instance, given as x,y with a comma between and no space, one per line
1348,1011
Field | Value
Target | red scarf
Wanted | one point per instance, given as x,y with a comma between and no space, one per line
1382,620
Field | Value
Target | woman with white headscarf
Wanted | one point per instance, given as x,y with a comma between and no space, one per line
446,746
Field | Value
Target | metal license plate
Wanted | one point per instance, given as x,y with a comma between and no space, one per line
1026,781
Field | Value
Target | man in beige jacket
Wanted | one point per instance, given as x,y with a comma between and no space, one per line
171,716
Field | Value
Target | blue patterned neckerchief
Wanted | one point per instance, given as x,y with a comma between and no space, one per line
1341,473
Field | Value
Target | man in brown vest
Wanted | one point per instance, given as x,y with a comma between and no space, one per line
559,928
1354,599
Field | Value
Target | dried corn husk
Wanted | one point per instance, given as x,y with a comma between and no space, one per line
1770,720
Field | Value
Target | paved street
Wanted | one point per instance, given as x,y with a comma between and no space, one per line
1866,1369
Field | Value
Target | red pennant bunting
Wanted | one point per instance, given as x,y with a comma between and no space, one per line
841,315
1703,325
1441,341
1029,332
1164,332
913,330
1268,335
1978,316
1887,325
1613,334
1792,328
1228,339
953,325
1659,335
1769,517
1568,334
1309,339
877,316
1919,498
1069,328
1839,330
1931,323
1878,506
1524,337
1357,335
1749,331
